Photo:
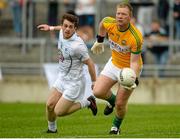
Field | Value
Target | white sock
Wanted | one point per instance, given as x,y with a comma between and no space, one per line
84,103
52,126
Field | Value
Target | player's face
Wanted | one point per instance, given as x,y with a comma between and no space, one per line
155,26
68,29
123,16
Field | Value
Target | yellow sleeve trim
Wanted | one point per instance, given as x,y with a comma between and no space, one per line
136,36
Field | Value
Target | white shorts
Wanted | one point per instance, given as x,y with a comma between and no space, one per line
111,71
71,90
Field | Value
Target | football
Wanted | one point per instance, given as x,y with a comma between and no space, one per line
127,77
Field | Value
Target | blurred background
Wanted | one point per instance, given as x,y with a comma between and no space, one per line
26,54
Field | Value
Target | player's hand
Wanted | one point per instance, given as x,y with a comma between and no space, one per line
97,48
130,88
136,83
44,27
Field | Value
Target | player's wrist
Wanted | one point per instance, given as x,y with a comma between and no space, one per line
100,39
51,28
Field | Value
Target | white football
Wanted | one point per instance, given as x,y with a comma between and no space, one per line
127,77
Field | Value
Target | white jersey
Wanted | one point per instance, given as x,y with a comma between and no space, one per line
72,53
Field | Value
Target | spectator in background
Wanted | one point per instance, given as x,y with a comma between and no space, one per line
69,5
177,18
85,10
30,16
163,12
52,15
145,13
2,5
16,6
158,34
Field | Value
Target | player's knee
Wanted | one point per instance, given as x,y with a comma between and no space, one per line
50,106
97,93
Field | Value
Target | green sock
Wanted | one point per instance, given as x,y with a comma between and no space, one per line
117,122
112,99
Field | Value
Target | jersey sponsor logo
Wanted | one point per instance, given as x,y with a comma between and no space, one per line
119,48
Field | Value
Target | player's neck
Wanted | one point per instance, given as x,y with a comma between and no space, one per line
68,37
123,28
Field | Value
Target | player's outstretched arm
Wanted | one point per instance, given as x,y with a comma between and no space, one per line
98,46
45,27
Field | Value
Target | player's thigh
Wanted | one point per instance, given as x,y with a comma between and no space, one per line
103,85
106,80
53,98
62,106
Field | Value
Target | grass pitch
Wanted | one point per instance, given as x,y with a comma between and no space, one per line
20,120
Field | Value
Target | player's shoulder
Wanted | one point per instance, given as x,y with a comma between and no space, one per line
109,19
78,42
136,32
76,38
137,37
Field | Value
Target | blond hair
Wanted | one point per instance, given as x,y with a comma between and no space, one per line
126,4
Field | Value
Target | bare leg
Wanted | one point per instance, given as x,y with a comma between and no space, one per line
121,107
122,98
66,107
102,87
51,103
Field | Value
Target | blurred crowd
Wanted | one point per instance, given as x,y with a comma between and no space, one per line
84,9
151,17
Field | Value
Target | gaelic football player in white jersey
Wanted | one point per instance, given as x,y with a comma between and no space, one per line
68,90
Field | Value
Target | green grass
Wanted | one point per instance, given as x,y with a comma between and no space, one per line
142,121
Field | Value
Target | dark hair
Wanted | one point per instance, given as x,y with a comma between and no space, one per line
72,18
